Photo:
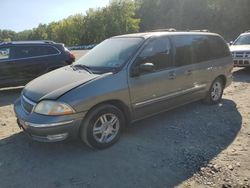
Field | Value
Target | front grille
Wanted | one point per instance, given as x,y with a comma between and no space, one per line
27,104
241,62
241,54
241,58
246,62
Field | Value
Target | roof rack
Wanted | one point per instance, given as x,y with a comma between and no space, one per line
202,30
2,43
36,41
31,41
160,30
49,41
174,30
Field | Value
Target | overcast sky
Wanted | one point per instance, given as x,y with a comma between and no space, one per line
19,15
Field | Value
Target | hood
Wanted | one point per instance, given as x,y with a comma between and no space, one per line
239,48
56,83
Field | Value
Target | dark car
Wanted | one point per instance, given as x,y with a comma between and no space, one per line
124,79
21,62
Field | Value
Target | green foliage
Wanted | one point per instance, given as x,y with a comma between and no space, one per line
227,17
7,35
117,18
95,26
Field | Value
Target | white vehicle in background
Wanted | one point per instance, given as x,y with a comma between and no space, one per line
240,50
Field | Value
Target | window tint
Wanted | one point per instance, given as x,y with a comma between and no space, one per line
184,51
34,51
158,52
49,50
201,50
218,48
191,49
4,53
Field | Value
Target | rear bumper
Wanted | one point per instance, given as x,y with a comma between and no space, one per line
48,128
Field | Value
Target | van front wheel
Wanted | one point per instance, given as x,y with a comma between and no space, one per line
102,126
215,92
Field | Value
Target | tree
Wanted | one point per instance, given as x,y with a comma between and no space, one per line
227,17
40,33
7,35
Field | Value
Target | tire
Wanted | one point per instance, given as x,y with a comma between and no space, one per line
102,127
215,92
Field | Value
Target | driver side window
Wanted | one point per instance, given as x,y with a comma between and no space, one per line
157,52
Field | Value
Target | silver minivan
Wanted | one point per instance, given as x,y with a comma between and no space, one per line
124,79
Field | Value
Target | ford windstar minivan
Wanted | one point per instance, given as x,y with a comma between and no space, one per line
124,79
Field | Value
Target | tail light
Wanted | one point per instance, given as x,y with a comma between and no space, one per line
71,56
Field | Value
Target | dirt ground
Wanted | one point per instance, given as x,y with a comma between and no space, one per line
192,146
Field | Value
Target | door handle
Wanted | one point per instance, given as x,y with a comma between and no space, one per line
210,68
188,72
171,75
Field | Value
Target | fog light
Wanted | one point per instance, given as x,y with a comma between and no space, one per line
57,137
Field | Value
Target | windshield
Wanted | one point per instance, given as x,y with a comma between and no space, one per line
111,53
243,40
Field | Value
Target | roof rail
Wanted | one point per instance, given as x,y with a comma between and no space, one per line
202,30
29,41
248,31
42,41
159,30
2,43
49,41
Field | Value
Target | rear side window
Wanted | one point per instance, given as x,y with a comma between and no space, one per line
183,50
191,49
201,49
158,52
34,51
4,53
49,50
218,48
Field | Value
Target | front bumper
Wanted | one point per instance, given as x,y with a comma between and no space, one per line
242,62
48,128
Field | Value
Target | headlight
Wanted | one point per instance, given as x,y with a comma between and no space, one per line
52,108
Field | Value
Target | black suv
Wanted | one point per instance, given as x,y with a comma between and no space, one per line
23,61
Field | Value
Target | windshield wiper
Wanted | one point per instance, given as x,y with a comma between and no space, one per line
81,66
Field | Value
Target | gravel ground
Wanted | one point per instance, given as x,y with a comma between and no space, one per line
192,146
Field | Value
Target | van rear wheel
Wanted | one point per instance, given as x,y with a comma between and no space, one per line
215,92
102,127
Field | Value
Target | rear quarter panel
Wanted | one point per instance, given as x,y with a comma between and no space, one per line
224,67
207,72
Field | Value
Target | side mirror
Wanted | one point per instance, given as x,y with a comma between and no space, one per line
145,67
231,43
